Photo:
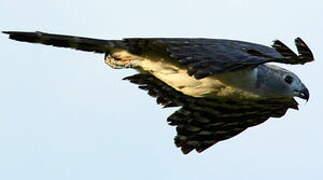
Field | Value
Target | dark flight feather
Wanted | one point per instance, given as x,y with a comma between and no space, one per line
202,122
283,49
74,42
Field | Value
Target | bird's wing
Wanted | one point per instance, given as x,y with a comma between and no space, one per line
203,57
66,41
202,122
207,57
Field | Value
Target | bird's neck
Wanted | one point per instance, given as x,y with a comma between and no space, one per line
244,79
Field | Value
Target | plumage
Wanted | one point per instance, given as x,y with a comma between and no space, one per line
202,122
221,87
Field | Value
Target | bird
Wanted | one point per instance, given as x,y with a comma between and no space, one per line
220,87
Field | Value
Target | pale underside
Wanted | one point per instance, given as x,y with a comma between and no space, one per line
176,76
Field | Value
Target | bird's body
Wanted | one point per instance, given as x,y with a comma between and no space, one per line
222,86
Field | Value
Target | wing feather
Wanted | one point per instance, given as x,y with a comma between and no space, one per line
202,122
204,57
207,57
65,41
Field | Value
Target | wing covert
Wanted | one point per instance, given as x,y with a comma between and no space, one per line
207,57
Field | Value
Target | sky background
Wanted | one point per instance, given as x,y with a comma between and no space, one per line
65,115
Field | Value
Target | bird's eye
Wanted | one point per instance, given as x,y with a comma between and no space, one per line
288,79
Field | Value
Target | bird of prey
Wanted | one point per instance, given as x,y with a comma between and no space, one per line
221,87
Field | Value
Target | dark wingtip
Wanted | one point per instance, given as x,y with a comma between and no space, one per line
303,50
24,36
186,150
298,39
12,32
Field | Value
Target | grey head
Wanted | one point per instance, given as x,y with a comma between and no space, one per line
275,81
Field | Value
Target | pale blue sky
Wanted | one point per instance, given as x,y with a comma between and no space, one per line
65,115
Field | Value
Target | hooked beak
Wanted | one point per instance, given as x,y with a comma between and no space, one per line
303,93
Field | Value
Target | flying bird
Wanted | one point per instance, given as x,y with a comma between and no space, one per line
221,87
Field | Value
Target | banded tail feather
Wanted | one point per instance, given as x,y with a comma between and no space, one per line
74,42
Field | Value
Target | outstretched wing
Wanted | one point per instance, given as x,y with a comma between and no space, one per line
65,41
202,122
203,57
206,57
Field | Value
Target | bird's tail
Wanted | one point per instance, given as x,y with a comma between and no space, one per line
74,42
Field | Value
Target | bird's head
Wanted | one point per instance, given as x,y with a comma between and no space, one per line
290,84
285,83
295,86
